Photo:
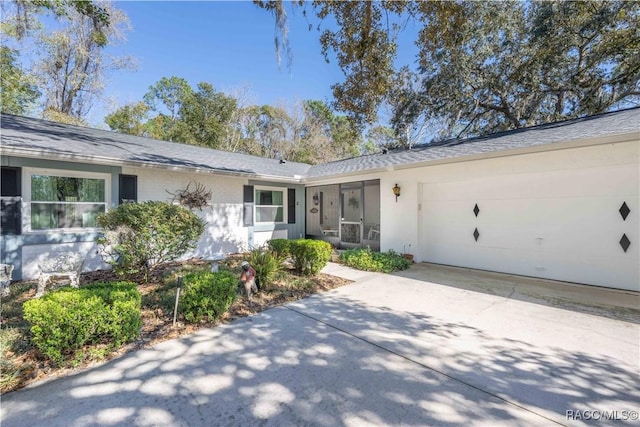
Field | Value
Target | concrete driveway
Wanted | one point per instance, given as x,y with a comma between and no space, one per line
401,349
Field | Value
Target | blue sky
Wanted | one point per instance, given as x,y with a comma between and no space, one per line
227,43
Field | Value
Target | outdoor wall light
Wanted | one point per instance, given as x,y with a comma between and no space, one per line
396,191
316,199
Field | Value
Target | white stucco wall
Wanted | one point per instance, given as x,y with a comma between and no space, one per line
224,232
33,255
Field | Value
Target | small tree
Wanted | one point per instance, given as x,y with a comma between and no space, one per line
139,236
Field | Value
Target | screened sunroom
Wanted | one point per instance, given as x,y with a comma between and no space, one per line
346,215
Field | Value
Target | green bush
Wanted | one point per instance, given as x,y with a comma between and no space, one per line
368,260
310,256
280,247
207,295
266,264
138,236
65,320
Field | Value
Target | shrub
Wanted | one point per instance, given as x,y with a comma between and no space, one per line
207,295
138,236
65,320
280,247
310,256
266,264
368,260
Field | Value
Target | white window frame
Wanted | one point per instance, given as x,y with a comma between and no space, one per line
26,191
284,192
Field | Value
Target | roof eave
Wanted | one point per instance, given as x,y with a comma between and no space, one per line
79,158
554,146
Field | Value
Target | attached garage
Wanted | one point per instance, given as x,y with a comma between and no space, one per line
556,201
551,215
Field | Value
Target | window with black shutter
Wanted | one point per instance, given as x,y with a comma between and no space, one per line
11,201
128,189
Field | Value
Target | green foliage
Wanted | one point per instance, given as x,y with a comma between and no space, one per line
364,44
138,236
161,300
207,295
379,137
179,113
368,260
207,116
280,247
310,256
309,132
64,321
507,65
266,263
129,119
516,64
322,125
72,62
18,92
24,10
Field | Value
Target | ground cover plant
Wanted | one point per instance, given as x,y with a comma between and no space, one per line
21,362
368,260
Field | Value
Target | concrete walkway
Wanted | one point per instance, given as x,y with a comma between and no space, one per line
386,350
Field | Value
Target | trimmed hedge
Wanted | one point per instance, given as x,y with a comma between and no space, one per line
207,295
310,256
64,321
368,260
280,247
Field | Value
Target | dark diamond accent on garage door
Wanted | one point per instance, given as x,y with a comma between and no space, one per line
624,211
476,211
625,242
476,234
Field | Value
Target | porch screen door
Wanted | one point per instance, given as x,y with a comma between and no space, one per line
351,207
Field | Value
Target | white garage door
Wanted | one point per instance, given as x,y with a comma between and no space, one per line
562,225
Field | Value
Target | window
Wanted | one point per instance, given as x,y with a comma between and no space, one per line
59,201
270,205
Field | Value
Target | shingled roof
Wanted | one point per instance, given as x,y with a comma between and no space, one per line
40,138
34,137
602,125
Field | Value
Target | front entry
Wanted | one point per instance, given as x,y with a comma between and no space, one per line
346,215
351,218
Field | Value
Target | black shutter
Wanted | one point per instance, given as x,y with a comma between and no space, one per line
248,205
11,201
321,208
128,189
11,180
291,205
